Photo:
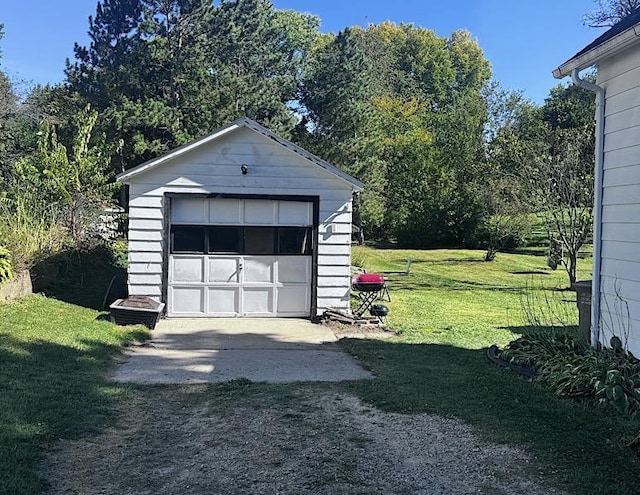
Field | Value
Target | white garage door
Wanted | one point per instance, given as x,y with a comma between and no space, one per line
240,257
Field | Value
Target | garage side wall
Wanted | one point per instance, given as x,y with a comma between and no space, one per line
620,285
215,168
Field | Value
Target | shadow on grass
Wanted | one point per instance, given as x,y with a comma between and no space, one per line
531,250
537,330
445,261
79,277
48,391
580,447
445,284
530,272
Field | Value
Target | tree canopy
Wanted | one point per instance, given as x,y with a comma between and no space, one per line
390,104
164,72
448,158
610,12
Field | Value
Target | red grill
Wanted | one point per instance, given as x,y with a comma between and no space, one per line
368,286
368,282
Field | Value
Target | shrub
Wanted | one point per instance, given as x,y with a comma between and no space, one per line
5,265
570,368
606,377
537,349
119,250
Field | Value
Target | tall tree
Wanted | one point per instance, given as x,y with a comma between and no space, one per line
549,150
563,188
163,72
610,12
401,108
8,121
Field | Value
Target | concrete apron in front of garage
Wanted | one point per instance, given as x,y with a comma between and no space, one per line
273,350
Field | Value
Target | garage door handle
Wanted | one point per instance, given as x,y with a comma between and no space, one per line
240,266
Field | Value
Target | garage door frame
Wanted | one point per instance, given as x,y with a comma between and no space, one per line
166,235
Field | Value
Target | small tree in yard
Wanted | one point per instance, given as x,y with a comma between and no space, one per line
76,178
507,216
562,187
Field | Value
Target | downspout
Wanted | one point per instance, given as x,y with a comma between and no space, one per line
597,203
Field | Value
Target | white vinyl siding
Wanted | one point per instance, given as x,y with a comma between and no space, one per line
214,168
620,285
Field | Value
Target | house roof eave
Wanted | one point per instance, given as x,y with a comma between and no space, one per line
620,37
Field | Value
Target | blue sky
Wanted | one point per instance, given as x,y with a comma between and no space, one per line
524,41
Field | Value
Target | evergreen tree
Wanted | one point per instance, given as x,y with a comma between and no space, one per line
164,72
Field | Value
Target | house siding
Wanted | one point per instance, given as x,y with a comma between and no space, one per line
214,168
620,257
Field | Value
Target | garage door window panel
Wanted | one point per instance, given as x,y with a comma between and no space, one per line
294,240
225,240
187,240
259,240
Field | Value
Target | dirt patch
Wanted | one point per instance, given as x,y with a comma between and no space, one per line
258,439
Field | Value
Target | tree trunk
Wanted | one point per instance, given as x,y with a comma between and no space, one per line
490,255
572,268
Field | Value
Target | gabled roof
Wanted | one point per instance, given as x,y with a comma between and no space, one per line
234,126
621,36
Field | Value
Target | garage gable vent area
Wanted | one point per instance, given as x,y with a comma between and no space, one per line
240,223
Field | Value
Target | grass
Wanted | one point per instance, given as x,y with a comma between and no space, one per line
30,231
52,381
453,297
448,310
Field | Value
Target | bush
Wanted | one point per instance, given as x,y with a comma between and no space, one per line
569,367
5,265
537,349
444,220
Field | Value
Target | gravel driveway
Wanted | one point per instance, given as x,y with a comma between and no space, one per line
243,438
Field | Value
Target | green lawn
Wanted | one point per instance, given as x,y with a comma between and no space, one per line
454,297
53,358
448,310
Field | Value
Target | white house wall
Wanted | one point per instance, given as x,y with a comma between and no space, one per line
620,285
215,168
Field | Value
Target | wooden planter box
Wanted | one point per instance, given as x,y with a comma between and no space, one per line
136,310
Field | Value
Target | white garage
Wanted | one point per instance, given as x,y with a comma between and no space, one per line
240,223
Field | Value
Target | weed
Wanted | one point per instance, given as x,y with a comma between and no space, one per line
5,265
30,231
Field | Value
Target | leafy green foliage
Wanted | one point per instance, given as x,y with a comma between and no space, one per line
570,368
606,376
77,179
5,265
538,348
401,109
119,253
30,229
549,151
8,122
